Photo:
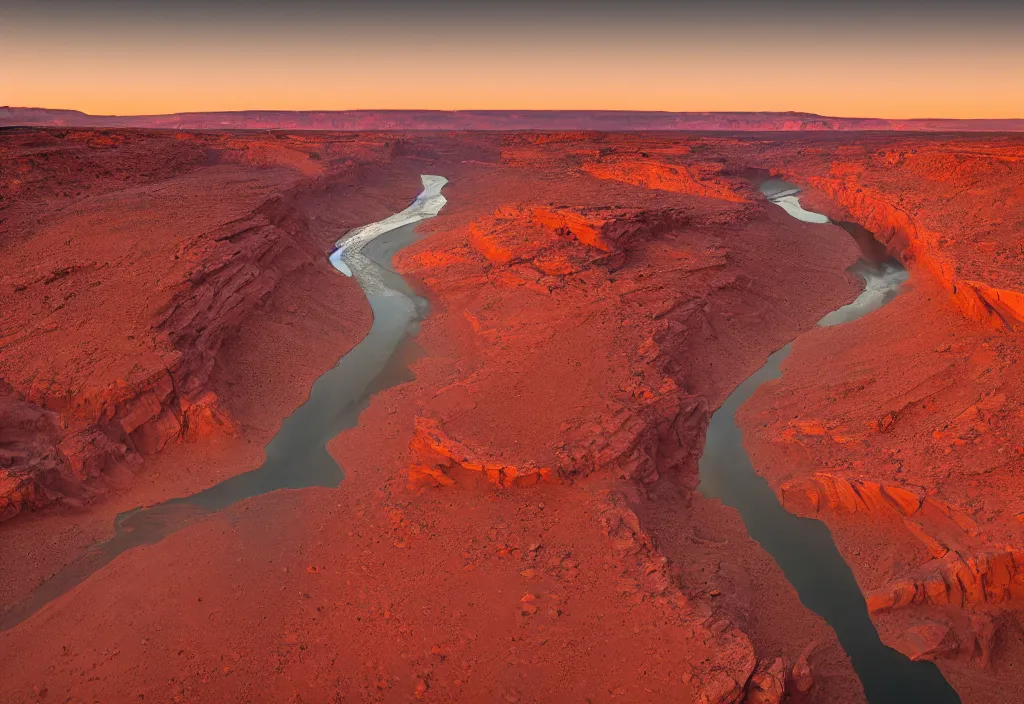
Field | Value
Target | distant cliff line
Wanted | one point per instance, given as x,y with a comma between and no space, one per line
499,120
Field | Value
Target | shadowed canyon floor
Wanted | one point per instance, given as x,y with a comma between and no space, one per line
518,519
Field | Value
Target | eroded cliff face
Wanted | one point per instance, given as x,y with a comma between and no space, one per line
130,258
952,207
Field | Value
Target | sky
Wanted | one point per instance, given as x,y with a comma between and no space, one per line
897,59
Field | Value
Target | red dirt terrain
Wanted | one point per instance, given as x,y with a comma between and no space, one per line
518,523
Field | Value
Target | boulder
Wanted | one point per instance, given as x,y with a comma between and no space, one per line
929,640
768,683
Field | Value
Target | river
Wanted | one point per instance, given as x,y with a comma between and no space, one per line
297,456
803,547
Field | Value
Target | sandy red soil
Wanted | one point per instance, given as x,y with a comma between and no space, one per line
519,522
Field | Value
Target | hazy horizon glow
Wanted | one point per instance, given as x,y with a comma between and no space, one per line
859,60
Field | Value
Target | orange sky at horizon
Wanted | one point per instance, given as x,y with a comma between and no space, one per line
857,72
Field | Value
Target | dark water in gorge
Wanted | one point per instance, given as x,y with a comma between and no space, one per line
804,548
297,455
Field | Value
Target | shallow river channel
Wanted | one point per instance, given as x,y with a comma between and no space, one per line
803,547
297,456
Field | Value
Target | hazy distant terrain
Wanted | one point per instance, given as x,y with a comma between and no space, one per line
603,120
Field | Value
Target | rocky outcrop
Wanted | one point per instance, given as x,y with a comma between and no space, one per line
702,180
723,668
768,683
988,578
929,640
801,679
267,154
549,237
437,454
966,571
235,269
42,462
939,526
29,458
660,433
655,427
903,233
938,638
723,659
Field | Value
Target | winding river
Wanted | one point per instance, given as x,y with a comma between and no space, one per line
803,547
297,456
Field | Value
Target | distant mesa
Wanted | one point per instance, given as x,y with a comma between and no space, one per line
497,120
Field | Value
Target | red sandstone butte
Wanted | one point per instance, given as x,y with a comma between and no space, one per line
518,522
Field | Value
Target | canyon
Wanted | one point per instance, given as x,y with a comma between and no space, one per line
517,516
